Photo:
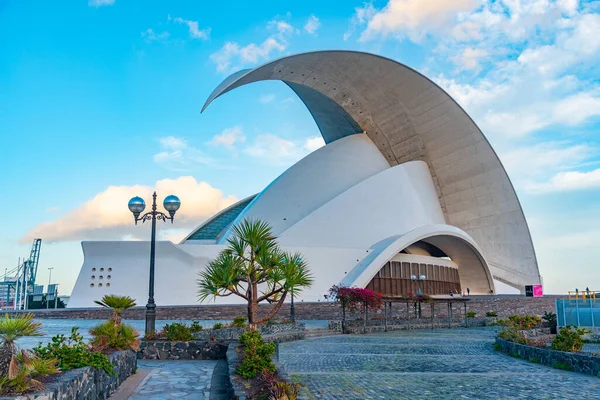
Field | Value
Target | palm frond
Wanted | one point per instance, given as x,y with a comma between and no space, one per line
12,328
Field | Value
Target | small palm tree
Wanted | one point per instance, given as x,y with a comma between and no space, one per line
253,267
11,329
118,304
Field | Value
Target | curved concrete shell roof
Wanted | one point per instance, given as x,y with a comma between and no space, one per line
410,118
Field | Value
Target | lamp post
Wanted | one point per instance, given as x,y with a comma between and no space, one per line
136,206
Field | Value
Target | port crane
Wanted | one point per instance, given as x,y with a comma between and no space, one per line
20,281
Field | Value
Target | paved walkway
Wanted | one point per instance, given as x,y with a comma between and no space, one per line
170,380
442,364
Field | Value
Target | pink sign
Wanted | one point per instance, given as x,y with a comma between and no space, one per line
538,291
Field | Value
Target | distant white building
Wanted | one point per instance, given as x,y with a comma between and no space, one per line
407,195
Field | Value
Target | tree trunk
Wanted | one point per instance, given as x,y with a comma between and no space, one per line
275,309
6,354
252,305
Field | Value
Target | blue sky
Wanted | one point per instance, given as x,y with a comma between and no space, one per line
100,101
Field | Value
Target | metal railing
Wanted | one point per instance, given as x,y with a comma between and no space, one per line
584,294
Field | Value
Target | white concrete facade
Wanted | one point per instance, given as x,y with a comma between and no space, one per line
403,165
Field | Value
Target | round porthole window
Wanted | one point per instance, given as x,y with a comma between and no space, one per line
107,276
100,277
93,269
93,276
108,284
110,270
99,285
101,269
91,285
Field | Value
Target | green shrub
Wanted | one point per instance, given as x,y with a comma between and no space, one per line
108,336
491,314
72,352
239,322
550,317
569,338
178,332
257,355
534,360
196,327
524,322
218,325
471,314
513,335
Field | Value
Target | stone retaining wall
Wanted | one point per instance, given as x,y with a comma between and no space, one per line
577,362
192,350
87,383
401,325
234,333
503,305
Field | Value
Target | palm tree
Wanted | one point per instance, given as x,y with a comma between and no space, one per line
118,304
11,329
252,261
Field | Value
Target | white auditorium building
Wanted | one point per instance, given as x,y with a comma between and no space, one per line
406,186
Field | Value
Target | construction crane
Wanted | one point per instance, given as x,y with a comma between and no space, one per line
21,280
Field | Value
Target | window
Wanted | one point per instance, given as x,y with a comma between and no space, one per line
93,269
91,285
100,277
110,270
93,276
99,285
101,269
108,277
107,284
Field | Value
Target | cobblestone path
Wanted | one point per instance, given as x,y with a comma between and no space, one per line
441,364
173,379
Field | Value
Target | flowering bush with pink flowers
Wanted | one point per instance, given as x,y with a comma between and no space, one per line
356,299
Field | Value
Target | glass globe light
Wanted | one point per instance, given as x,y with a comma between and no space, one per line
422,277
172,204
136,205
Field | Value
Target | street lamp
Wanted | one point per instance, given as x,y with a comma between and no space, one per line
136,206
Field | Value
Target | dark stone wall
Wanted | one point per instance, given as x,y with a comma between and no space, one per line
503,305
192,350
87,383
577,362
234,333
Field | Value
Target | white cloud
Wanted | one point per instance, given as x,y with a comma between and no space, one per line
274,150
273,147
470,58
152,36
100,3
415,18
360,17
312,25
266,98
229,137
282,27
545,158
233,56
568,181
106,216
178,155
193,29
314,143
575,109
